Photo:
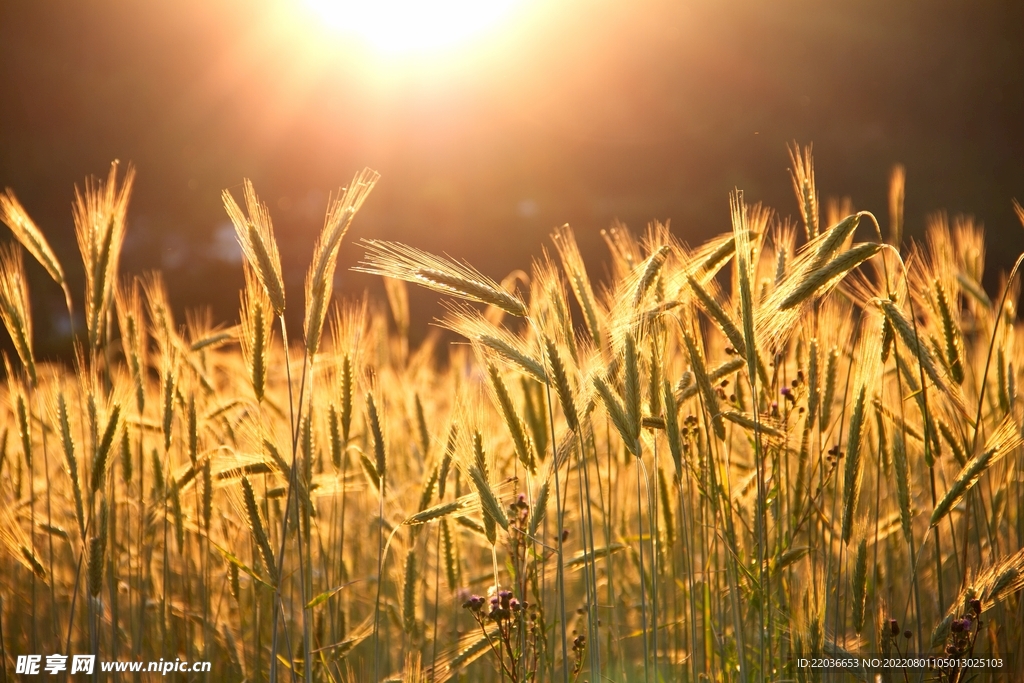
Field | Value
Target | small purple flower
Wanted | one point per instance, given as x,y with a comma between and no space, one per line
474,603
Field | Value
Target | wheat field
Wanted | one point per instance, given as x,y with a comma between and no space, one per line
801,439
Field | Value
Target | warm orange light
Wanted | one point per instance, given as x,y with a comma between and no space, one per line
405,27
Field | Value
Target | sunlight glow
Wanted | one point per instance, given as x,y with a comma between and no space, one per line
405,27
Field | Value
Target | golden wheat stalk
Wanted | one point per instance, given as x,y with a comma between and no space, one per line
14,539
31,237
860,582
803,186
259,529
709,302
1003,440
473,326
451,562
97,550
102,455
616,410
257,316
815,272
819,280
320,278
703,382
68,444
992,585
435,512
953,345
853,472
14,306
712,255
445,275
761,425
649,272
478,472
128,306
516,427
255,234
579,282
902,469
409,593
955,442
99,212
161,317
380,453
687,390
560,380
824,248
910,338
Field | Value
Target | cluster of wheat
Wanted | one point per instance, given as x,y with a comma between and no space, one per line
718,461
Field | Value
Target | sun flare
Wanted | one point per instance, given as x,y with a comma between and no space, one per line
403,27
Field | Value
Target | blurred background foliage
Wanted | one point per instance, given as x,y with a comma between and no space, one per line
571,111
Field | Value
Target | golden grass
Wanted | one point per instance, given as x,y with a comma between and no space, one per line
692,471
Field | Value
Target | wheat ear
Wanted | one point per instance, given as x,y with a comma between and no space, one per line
899,461
259,530
130,321
704,382
451,567
256,237
99,466
827,274
649,273
97,550
512,419
320,278
31,237
852,473
257,332
906,332
561,383
380,454
950,334
14,306
392,259
572,263
803,186
860,581
617,412
68,444
409,593
99,214
1004,439
478,474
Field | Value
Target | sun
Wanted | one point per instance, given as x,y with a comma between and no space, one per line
408,27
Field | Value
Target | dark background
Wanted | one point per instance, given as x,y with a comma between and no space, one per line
575,111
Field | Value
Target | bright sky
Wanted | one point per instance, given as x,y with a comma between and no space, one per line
411,27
